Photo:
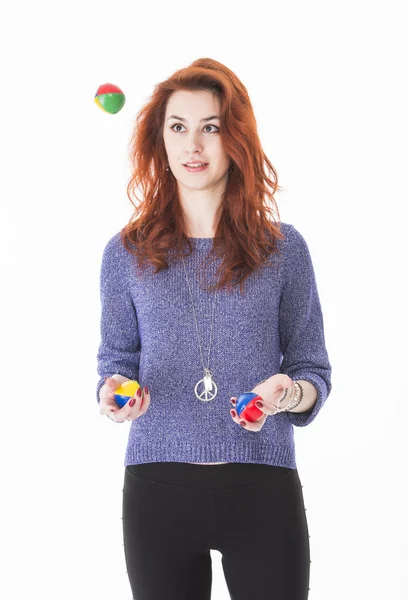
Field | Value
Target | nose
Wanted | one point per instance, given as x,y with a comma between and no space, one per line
193,144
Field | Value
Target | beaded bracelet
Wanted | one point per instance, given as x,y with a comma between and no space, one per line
297,398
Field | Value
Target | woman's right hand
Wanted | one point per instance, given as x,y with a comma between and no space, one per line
108,404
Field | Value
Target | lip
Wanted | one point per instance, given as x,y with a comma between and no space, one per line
195,169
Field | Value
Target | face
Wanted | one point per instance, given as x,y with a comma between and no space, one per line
193,138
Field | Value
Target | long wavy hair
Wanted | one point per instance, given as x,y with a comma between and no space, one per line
246,233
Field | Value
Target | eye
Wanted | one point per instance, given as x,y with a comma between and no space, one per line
179,124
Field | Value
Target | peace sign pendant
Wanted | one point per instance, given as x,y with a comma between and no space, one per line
207,394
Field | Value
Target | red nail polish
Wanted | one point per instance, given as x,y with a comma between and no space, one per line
132,402
139,392
233,413
146,390
242,423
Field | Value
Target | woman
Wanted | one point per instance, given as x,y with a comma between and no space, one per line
198,476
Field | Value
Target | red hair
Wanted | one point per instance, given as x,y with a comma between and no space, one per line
244,234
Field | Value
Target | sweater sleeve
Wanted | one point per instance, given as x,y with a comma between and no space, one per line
119,348
301,326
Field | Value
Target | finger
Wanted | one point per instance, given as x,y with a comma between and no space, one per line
135,410
285,381
255,426
264,409
243,422
234,416
267,410
112,383
115,381
116,416
249,426
145,403
107,410
120,415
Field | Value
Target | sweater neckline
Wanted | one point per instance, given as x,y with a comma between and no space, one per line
201,242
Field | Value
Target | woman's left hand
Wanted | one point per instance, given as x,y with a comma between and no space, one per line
272,391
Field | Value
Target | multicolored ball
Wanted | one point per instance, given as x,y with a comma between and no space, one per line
110,98
125,392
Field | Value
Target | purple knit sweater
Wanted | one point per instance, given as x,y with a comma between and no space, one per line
148,333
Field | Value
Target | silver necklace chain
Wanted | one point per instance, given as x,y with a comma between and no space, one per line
207,380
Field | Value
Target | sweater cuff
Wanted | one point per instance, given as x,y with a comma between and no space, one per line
305,418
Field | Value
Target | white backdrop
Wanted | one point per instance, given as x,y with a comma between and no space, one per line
328,84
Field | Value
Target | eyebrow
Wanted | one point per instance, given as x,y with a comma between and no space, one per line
205,119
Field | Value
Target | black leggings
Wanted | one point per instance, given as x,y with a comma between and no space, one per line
253,514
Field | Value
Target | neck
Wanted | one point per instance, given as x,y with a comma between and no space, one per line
200,208
200,230
201,234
